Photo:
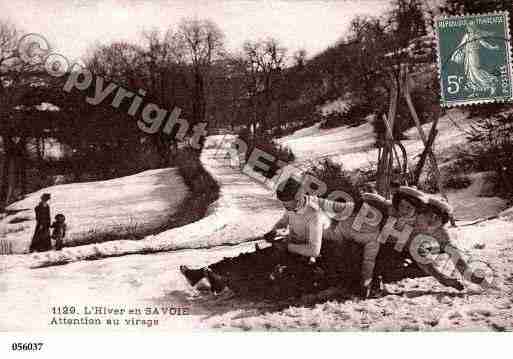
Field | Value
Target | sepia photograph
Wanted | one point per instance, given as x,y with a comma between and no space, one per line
255,165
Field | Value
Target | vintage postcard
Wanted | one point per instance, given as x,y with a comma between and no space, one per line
276,165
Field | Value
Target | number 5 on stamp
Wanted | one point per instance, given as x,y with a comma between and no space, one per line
474,59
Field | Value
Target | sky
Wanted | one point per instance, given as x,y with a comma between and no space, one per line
74,26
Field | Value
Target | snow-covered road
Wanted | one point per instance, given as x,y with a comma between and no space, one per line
244,211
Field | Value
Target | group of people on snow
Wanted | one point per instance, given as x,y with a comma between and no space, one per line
412,222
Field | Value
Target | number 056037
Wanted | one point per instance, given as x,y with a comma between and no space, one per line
26,347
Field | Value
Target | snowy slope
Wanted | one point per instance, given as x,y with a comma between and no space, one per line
353,146
244,211
123,206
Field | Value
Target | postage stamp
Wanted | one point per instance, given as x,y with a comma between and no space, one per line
474,59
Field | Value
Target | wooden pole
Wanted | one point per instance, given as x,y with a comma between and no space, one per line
383,180
407,96
420,165
391,138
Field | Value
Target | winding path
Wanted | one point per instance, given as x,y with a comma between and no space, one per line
245,210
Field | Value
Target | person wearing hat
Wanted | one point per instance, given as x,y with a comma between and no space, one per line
331,224
406,203
364,234
305,218
307,223
335,221
41,240
411,208
433,222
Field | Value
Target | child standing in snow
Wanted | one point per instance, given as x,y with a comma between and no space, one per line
59,231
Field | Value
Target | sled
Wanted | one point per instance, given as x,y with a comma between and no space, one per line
268,274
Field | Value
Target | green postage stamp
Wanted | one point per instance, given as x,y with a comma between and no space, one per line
474,59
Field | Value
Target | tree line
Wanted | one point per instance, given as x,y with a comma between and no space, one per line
262,89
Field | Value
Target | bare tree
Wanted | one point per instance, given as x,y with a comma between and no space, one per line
164,70
203,42
18,79
158,67
119,62
264,62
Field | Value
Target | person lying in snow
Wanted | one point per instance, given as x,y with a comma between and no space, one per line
432,221
350,222
313,231
408,218
310,222
299,250
427,218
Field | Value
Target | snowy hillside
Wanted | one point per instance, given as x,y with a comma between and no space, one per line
353,146
120,207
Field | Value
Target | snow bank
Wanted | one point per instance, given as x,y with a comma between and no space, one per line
507,214
230,220
354,146
124,206
338,106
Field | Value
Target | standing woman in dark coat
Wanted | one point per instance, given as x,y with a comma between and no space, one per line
41,240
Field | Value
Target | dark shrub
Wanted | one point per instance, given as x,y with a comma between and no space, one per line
337,179
298,117
199,181
268,146
354,116
460,181
492,149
